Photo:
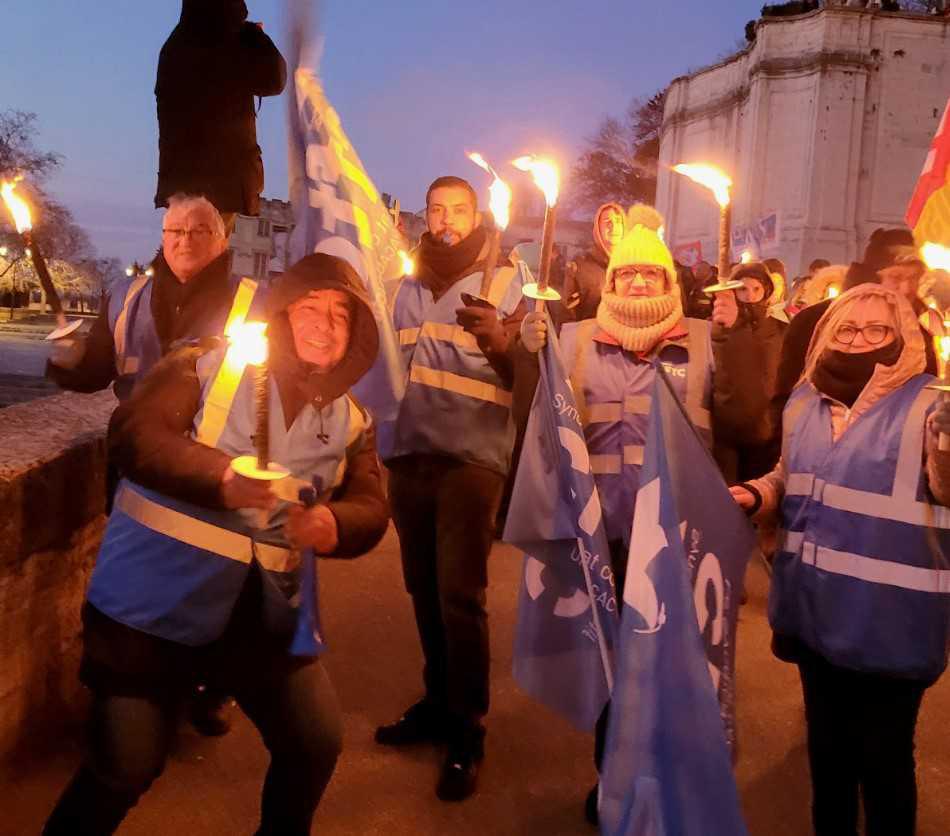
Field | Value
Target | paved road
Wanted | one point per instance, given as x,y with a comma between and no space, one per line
22,356
538,769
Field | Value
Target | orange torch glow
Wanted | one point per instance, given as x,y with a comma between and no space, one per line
714,179
248,343
17,206
746,257
408,265
935,256
833,292
499,193
545,175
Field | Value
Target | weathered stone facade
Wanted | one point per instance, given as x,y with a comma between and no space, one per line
52,491
825,120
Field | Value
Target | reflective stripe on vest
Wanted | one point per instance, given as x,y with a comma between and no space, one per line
442,331
460,385
201,534
865,568
611,463
123,363
217,404
902,504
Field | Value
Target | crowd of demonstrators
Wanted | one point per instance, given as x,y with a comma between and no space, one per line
448,452
210,69
189,582
612,361
858,598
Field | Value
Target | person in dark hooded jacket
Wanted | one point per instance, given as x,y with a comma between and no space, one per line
210,69
199,569
585,275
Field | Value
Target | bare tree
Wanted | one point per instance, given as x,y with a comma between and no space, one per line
619,162
17,152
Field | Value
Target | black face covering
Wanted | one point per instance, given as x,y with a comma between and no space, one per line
843,376
448,261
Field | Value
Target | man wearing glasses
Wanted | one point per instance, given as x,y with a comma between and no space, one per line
186,294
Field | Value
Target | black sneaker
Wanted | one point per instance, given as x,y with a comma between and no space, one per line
209,712
422,723
590,807
459,775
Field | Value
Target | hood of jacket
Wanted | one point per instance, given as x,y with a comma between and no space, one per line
601,245
885,379
320,271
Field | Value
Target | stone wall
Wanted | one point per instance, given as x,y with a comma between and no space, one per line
52,491
825,120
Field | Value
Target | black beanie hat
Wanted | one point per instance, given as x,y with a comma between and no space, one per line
884,246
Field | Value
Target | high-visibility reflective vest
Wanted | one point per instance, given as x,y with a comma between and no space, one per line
613,388
861,574
173,569
455,404
137,347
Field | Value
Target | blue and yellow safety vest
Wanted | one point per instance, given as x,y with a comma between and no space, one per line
174,569
860,575
137,347
455,403
613,388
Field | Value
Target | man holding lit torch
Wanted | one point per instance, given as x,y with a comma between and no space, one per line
190,581
612,362
449,451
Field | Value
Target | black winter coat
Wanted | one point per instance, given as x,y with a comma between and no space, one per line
210,69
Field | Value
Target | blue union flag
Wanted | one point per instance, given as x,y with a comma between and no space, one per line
667,767
567,609
337,210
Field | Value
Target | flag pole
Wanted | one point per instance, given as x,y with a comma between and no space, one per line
598,628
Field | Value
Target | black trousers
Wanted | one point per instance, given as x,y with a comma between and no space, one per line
444,511
138,683
860,738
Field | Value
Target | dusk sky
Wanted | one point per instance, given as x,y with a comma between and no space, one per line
416,84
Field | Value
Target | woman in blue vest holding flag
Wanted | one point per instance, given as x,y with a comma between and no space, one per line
860,596
200,568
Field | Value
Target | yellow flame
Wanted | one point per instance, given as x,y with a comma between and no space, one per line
544,173
746,257
248,343
935,256
833,292
17,206
408,265
944,348
714,179
499,193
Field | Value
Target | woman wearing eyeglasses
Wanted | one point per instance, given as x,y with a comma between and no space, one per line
860,596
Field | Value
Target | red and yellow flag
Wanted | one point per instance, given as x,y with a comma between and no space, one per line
929,211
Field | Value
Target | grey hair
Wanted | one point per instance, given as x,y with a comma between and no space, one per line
180,200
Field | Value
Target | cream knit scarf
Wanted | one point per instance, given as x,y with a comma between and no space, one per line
638,323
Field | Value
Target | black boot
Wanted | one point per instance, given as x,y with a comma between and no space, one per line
208,712
459,776
422,723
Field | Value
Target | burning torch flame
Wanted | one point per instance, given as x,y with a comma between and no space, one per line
943,348
935,256
499,193
709,176
408,265
17,206
248,343
746,257
833,292
544,173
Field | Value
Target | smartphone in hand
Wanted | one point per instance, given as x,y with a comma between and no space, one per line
471,301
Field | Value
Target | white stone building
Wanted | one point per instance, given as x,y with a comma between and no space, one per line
260,246
823,123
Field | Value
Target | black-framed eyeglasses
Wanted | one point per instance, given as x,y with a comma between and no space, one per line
199,233
873,334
